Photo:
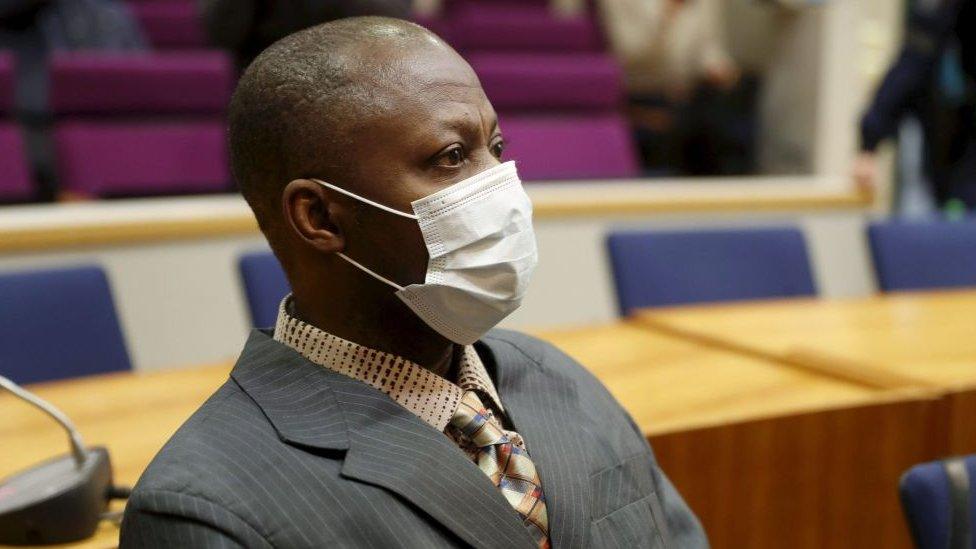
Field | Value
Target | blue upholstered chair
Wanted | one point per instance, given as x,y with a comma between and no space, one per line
57,324
265,286
923,255
658,268
939,500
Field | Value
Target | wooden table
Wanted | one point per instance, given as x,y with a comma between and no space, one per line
767,455
896,340
133,414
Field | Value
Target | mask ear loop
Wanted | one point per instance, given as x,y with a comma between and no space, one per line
385,208
393,211
379,277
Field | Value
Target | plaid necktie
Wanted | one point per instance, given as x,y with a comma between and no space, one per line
502,457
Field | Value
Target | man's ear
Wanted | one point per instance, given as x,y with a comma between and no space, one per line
309,211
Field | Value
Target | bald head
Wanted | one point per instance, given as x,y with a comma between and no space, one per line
382,109
298,104
377,107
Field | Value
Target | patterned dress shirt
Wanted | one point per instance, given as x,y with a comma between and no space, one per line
427,395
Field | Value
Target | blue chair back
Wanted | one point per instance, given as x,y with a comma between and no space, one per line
659,268
928,502
57,324
923,255
265,285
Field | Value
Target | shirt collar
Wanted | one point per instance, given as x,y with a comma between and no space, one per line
425,394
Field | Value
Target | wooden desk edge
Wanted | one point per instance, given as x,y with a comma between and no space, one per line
816,362
915,394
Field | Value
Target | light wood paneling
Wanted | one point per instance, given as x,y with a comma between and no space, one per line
672,385
753,445
896,340
767,455
805,481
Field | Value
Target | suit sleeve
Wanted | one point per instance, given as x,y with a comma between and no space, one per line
930,25
165,519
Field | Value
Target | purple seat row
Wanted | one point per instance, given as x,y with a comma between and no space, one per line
170,24
141,124
530,27
201,82
525,25
127,124
153,123
6,82
15,178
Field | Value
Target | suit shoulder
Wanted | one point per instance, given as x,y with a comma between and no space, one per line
541,352
547,356
591,398
529,346
210,437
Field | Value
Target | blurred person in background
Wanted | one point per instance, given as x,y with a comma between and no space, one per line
932,80
687,96
246,27
33,28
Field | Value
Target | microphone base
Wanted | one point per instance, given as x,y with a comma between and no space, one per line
55,501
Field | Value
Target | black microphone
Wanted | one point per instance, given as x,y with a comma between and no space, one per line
59,500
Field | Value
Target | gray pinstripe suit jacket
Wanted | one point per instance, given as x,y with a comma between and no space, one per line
290,454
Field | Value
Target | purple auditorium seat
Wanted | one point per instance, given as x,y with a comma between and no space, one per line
141,124
131,159
169,82
530,82
576,146
170,24
452,5
15,179
531,28
16,184
6,82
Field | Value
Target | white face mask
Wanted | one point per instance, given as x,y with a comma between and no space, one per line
482,253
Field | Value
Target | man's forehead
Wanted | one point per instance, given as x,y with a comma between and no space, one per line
422,65
429,81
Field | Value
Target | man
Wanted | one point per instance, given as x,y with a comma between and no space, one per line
367,418
948,116
688,102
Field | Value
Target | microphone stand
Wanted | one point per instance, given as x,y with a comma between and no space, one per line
59,500
77,446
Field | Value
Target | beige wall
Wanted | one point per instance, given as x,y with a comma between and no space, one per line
821,65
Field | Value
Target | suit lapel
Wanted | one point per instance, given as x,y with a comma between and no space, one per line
543,407
392,448
292,392
387,446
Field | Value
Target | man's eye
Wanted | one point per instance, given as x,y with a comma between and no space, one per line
452,157
498,148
